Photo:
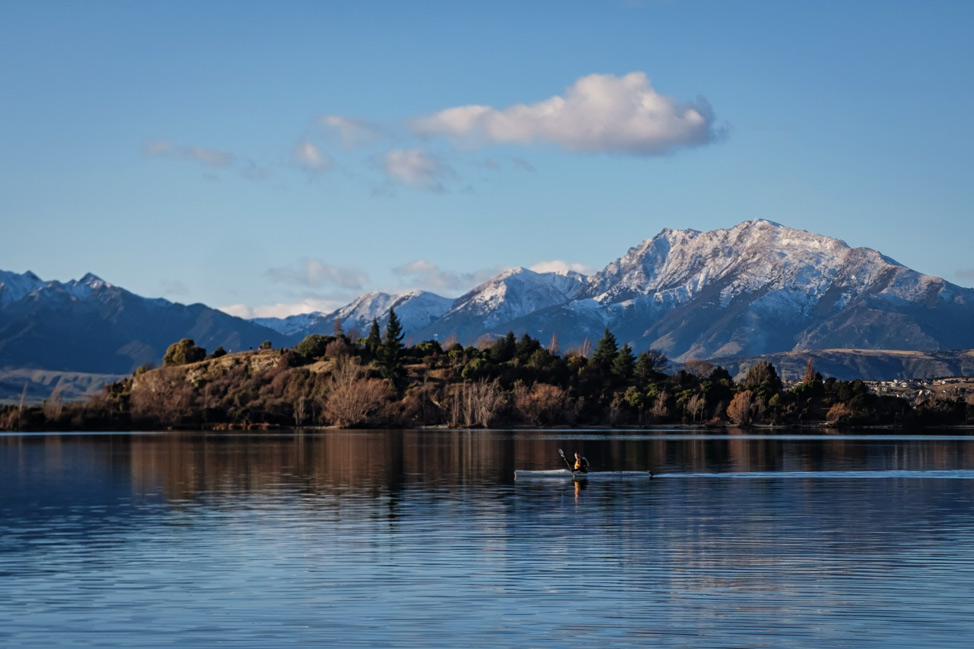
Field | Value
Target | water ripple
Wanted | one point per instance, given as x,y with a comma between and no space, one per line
315,556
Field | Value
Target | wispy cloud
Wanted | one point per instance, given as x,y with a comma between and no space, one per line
427,275
416,168
599,113
521,163
209,158
311,158
305,286
158,147
967,274
562,267
173,288
352,132
316,274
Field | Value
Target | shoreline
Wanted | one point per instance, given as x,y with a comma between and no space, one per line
822,428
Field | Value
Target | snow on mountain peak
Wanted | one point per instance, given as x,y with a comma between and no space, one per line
82,288
366,306
517,292
757,287
14,286
677,264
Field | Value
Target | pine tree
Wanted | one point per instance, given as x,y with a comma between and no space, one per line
504,348
374,340
649,365
526,346
390,352
624,363
605,352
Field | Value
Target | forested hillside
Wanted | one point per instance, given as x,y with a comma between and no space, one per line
377,381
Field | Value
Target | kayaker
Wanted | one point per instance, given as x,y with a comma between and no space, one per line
581,464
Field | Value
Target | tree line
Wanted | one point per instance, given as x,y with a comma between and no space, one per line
350,381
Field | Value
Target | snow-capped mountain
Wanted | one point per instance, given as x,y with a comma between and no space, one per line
759,288
89,325
676,265
14,287
292,325
415,310
424,315
756,288
514,294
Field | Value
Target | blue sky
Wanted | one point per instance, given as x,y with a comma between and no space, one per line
272,158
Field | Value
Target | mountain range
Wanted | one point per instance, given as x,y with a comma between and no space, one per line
760,288
755,289
89,325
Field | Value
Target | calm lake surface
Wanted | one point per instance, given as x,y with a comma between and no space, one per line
424,539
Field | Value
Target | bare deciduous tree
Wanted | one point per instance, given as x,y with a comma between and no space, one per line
553,346
585,349
541,403
485,341
698,368
54,405
162,396
659,409
837,413
474,403
351,397
337,348
695,406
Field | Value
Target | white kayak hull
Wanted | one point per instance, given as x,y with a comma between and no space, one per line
562,474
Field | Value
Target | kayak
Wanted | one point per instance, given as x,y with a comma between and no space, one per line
561,474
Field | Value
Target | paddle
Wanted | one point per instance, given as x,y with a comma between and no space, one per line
567,463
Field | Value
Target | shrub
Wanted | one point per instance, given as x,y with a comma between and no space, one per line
313,346
183,352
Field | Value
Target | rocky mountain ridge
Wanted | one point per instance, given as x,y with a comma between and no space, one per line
755,289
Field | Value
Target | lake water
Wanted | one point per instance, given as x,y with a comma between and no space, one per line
424,539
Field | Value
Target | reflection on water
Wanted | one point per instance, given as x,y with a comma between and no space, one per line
423,539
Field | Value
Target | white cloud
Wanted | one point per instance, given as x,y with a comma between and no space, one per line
314,273
562,267
311,157
282,310
428,276
599,113
416,168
